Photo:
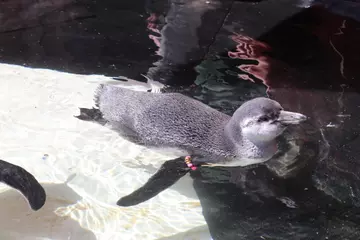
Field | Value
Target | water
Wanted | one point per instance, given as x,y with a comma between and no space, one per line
83,167
305,58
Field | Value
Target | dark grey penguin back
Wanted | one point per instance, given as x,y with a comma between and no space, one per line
164,119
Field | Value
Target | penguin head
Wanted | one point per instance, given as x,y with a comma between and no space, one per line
261,120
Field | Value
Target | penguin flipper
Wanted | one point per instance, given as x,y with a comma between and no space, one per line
23,181
168,174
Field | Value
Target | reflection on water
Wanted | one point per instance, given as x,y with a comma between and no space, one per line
312,192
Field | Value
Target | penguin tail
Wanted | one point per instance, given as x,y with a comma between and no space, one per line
91,115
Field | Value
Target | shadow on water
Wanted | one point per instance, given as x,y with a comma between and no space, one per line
165,39
23,223
309,64
86,36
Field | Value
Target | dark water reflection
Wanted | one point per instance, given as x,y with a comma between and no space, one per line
309,64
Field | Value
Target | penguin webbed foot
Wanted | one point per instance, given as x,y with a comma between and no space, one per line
92,114
23,181
168,174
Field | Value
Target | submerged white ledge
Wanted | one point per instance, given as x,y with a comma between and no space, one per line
85,170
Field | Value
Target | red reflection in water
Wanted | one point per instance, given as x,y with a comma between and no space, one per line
338,37
251,49
154,27
341,36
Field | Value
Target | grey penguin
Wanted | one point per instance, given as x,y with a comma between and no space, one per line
23,181
175,122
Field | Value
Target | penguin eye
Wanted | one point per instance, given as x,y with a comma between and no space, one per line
263,119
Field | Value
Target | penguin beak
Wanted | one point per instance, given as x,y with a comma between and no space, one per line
291,118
